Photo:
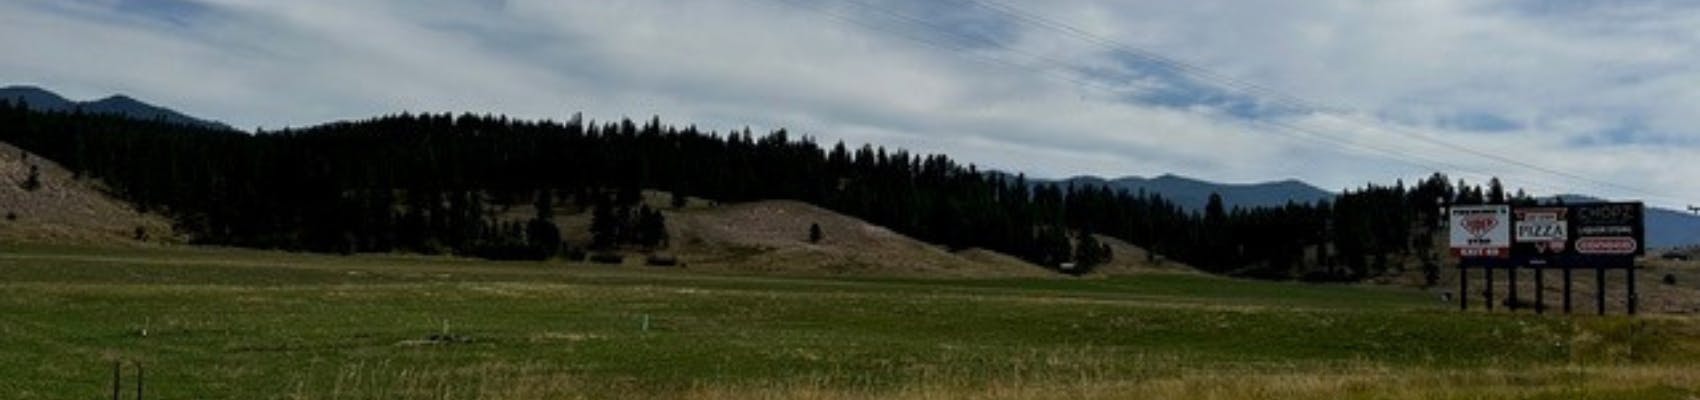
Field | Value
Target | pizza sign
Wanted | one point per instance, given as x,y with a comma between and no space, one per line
1540,233
1481,231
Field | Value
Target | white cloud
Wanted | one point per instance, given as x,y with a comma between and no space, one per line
1547,79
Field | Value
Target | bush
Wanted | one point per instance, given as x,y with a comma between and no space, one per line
11,216
575,253
33,182
662,260
1670,279
607,258
509,252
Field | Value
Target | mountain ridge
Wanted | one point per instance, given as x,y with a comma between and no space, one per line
41,99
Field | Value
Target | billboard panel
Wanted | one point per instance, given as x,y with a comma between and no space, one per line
1481,231
1607,229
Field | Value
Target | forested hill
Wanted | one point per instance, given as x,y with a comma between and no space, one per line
432,183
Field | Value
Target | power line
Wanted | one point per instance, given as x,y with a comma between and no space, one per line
1279,96
1290,101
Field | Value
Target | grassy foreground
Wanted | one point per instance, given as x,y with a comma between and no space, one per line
253,325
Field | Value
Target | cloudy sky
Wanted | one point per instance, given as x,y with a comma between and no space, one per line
1599,97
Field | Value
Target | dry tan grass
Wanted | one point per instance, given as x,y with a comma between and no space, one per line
1128,259
65,210
500,381
772,237
1377,383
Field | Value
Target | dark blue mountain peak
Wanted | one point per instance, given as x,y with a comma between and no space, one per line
119,104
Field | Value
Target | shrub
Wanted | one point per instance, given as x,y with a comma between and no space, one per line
575,253
662,260
607,258
33,182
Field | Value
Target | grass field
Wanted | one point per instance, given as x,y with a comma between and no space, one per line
252,325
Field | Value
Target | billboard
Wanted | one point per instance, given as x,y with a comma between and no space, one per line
1480,231
1540,231
1607,230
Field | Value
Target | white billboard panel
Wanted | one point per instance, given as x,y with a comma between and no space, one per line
1481,231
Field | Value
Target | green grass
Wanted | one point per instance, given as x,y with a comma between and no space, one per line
225,323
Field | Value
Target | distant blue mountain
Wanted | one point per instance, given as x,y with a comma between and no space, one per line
43,100
1193,194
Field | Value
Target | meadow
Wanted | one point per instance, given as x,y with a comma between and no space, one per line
229,324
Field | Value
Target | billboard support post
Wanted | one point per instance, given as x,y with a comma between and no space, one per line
1633,297
1511,287
1600,289
1567,289
1540,291
1488,294
1463,288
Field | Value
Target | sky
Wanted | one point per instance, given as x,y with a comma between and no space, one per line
1551,96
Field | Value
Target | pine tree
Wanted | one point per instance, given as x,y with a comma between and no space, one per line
604,226
651,228
541,234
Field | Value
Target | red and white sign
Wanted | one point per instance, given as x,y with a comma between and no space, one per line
1481,231
1619,245
1547,224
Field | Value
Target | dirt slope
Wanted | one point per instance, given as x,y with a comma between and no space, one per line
63,210
1128,259
772,237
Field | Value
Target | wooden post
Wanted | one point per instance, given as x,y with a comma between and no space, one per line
1633,298
117,381
1540,290
1566,288
1489,292
1511,287
1600,289
138,380
1463,287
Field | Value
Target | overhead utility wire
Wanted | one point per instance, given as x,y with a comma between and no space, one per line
1424,163
1277,95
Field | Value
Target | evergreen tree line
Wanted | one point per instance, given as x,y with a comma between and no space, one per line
440,183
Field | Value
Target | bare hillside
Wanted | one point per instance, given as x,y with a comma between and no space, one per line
1128,259
772,237
63,210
